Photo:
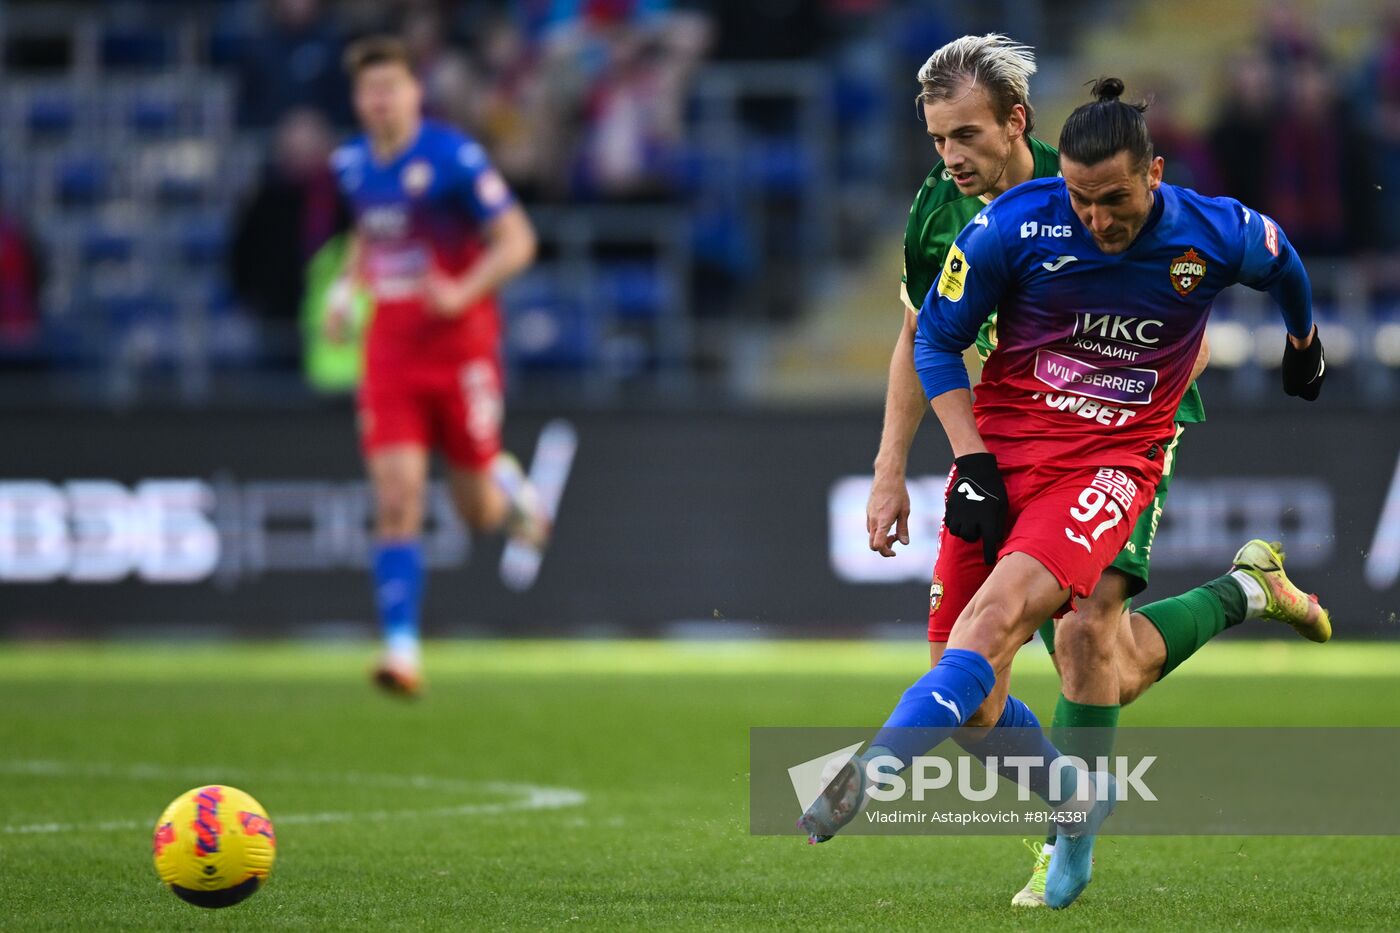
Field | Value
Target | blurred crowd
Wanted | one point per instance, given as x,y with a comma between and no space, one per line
575,100
587,100
1309,140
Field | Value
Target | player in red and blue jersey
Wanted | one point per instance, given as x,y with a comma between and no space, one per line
437,232
1099,331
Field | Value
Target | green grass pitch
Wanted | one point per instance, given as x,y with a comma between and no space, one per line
389,814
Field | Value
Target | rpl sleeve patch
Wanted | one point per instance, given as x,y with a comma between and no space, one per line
954,275
1270,236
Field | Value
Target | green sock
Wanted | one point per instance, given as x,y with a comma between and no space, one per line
1195,617
1083,730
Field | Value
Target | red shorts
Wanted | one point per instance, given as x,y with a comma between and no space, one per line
1074,522
457,409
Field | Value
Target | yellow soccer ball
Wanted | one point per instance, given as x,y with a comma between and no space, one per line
214,846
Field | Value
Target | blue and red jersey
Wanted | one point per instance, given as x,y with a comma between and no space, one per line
425,208
1094,350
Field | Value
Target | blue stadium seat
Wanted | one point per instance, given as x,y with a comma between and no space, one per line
721,238
634,290
776,165
107,246
202,241
547,330
81,180
51,114
137,48
127,308
695,169
153,114
856,97
149,313
176,189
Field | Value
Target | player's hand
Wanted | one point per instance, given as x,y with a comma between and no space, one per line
888,506
1304,366
444,294
340,306
976,506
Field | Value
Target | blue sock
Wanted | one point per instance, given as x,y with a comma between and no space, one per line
398,590
937,704
1018,733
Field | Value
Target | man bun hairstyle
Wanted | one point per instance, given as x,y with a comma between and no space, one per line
375,50
1106,126
998,64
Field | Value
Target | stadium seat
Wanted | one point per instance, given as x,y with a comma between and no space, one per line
126,308
136,48
153,114
776,165
180,188
202,241
81,180
51,114
107,246
634,290
547,330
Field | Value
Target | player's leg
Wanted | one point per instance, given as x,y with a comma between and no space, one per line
1018,592
960,689
1097,519
398,476
1165,633
1087,710
960,572
489,489
1084,641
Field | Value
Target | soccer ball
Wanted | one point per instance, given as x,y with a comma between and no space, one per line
214,846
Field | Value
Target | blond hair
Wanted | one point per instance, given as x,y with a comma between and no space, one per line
997,63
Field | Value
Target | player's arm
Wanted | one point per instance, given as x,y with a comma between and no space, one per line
511,245
904,411
1269,263
480,191
340,302
972,282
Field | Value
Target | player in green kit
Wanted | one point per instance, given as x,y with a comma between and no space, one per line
975,105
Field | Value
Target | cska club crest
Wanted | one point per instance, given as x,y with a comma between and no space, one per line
417,176
1187,270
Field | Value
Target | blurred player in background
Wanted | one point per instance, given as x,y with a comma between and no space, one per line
436,233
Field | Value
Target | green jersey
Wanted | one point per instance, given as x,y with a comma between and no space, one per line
938,214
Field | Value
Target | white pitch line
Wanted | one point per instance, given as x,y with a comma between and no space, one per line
530,796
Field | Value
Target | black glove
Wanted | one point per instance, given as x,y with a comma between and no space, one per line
976,506
1303,370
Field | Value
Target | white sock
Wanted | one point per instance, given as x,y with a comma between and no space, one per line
508,475
404,649
1048,848
1254,596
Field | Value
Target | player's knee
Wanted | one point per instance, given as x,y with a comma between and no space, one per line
398,507
478,508
1077,636
1134,678
477,516
991,630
